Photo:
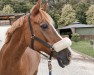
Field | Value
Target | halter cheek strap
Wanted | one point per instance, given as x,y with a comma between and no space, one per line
32,33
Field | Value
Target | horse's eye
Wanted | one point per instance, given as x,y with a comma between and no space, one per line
44,26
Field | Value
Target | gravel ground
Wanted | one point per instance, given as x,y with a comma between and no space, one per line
80,65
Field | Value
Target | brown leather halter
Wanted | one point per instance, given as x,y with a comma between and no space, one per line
33,37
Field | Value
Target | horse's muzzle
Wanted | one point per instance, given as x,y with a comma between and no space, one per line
62,53
63,57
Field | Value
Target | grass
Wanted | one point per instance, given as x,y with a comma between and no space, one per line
83,47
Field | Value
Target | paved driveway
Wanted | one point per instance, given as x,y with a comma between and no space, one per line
79,66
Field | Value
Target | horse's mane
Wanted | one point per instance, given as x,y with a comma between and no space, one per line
18,23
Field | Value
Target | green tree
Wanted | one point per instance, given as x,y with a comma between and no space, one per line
73,2
7,9
0,12
19,6
54,9
90,15
22,7
80,9
3,3
68,15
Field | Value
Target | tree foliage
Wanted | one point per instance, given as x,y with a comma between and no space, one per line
81,9
7,9
68,15
54,9
22,7
19,6
90,15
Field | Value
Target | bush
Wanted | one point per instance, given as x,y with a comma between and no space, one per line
7,9
92,42
75,37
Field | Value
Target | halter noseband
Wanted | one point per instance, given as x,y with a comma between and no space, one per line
33,37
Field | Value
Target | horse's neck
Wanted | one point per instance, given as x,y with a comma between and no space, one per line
15,47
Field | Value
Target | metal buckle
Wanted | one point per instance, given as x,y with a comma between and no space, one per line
52,48
49,65
33,36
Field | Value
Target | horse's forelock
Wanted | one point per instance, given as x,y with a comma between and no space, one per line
44,16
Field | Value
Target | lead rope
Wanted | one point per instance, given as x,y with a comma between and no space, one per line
50,67
49,64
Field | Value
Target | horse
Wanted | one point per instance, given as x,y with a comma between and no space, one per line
27,37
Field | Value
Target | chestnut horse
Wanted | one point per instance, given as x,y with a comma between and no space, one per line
16,56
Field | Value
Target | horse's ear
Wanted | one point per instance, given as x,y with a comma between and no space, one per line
36,8
45,6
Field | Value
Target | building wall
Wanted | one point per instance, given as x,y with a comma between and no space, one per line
85,37
85,31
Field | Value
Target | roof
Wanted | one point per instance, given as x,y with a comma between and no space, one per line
15,14
9,16
77,25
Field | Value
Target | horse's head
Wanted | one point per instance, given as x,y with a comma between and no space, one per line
43,28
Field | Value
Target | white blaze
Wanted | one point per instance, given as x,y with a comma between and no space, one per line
64,42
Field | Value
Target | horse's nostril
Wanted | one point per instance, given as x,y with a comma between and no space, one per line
69,54
65,62
64,57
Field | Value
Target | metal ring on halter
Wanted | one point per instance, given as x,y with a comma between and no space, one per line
33,36
51,48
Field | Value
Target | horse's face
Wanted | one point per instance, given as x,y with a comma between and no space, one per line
44,29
